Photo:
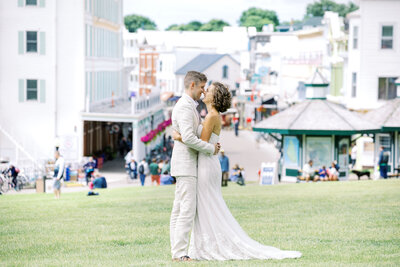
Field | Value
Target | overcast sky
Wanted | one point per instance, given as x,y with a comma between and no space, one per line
167,12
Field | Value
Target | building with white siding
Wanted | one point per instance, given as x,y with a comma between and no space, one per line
373,54
62,62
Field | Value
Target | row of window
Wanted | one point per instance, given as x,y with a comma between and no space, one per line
31,42
102,43
386,87
105,9
31,90
147,103
102,85
40,3
386,37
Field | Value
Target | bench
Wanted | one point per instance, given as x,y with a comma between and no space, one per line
361,173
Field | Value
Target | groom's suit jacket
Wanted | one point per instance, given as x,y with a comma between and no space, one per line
185,120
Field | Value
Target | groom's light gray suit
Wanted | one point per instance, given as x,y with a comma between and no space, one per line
185,120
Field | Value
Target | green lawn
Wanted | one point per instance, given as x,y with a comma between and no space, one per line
332,224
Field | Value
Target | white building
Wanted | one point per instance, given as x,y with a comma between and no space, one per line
61,80
131,60
177,48
373,54
217,67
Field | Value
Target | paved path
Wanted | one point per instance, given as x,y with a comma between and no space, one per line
245,151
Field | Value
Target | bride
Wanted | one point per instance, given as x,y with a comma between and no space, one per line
216,235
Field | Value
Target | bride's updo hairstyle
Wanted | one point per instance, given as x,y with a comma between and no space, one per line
222,98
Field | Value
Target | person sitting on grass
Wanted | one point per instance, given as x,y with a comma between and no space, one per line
167,179
323,174
333,173
237,175
308,173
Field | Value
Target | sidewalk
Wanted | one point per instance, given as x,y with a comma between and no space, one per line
245,151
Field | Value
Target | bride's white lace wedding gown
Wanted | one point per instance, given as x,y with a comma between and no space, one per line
216,235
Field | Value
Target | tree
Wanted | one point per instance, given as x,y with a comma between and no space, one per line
214,25
258,17
194,26
134,22
191,26
317,9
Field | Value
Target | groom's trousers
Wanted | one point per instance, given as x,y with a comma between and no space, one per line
182,215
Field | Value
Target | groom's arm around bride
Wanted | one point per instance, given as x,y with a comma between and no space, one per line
185,120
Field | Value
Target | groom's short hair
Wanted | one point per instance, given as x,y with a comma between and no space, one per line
194,76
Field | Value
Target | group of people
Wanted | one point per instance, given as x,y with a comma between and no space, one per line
308,173
159,170
12,172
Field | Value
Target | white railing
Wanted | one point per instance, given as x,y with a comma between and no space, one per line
24,153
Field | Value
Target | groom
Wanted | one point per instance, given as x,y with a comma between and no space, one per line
185,120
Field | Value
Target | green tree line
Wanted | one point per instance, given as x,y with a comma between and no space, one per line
253,17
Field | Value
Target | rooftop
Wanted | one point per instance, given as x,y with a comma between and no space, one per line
200,63
316,117
387,116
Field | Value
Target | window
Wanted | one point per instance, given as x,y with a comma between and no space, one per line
160,65
387,88
225,72
354,84
31,2
31,42
31,90
387,37
355,37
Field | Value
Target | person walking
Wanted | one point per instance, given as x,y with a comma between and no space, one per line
224,161
89,169
383,162
59,168
133,169
154,172
236,124
143,170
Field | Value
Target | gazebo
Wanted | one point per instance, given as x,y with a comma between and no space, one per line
387,118
315,129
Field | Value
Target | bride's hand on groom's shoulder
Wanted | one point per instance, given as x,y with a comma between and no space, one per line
176,136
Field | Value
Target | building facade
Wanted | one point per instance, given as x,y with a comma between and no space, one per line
63,58
373,54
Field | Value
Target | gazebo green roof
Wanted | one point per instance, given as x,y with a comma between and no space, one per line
316,117
386,117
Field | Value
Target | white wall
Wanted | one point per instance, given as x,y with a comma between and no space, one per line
30,122
215,72
375,62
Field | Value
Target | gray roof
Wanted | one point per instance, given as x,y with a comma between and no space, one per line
387,116
201,63
316,117
313,21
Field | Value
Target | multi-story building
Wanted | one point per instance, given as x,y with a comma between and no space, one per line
373,54
174,49
62,80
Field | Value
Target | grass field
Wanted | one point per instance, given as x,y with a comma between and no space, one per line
332,224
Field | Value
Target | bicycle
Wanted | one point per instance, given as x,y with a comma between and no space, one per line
5,183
